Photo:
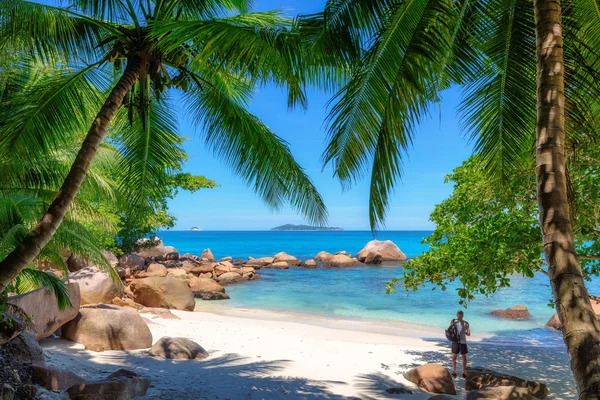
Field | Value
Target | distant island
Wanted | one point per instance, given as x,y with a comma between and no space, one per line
195,228
292,227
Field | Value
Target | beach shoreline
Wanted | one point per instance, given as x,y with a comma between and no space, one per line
264,355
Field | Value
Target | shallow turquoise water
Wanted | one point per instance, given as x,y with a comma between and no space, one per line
359,293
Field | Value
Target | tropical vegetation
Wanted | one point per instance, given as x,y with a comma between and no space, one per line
122,65
528,70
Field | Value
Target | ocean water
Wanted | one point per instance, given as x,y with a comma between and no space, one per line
359,293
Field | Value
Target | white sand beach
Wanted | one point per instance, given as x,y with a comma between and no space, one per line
262,355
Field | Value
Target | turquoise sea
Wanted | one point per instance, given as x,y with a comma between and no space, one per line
359,293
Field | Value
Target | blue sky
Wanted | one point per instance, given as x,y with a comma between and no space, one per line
439,147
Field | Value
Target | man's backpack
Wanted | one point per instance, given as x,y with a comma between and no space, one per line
452,333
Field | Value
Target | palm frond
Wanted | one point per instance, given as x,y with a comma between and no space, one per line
498,110
254,153
50,33
30,279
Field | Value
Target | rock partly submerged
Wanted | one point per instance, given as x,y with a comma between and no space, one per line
516,312
381,251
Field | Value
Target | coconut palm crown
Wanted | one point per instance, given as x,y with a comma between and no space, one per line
129,61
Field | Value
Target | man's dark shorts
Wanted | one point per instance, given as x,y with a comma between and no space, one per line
459,348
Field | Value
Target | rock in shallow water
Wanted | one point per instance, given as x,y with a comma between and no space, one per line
386,249
516,312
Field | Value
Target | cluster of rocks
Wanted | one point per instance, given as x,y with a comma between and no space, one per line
25,375
480,384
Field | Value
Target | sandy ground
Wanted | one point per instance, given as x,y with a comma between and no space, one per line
260,355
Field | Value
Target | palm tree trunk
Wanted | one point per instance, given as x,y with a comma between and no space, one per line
581,330
35,241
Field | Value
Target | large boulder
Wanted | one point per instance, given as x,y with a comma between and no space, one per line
167,292
25,348
96,286
100,329
43,309
432,378
310,264
54,378
171,256
229,278
120,385
259,262
204,268
478,378
154,269
554,321
177,349
516,312
207,255
284,257
373,258
205,285
132,261
323,256
153,248
386,249
500,393
279,265
341,261
76,262
223,267
112,259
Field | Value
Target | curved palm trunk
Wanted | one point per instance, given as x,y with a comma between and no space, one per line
581,330
35,241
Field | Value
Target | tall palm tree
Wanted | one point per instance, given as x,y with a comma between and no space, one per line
212,52
526,65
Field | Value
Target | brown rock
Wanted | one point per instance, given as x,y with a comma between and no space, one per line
283,257
127,303
43,309
25,348
387,249
132,261
167,292
159,268
323,256
230,259
259,262
516,312
206,275
500,393
245,270
120,385
153,248
96,286
310,264
341,261
100,329
278,265
112,259
188,265
76,263
205,285
54,378
222,268
229,278
478,378
433,378
374,257
238,261
204,268
207,255
173,255
177,349
211,296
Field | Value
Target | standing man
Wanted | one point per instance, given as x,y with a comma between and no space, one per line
460,347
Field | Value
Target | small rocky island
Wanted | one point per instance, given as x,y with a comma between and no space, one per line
292,227
195,228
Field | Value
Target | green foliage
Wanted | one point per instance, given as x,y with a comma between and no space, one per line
411,50
485,233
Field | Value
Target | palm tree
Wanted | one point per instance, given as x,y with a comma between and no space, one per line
526,66
143,53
